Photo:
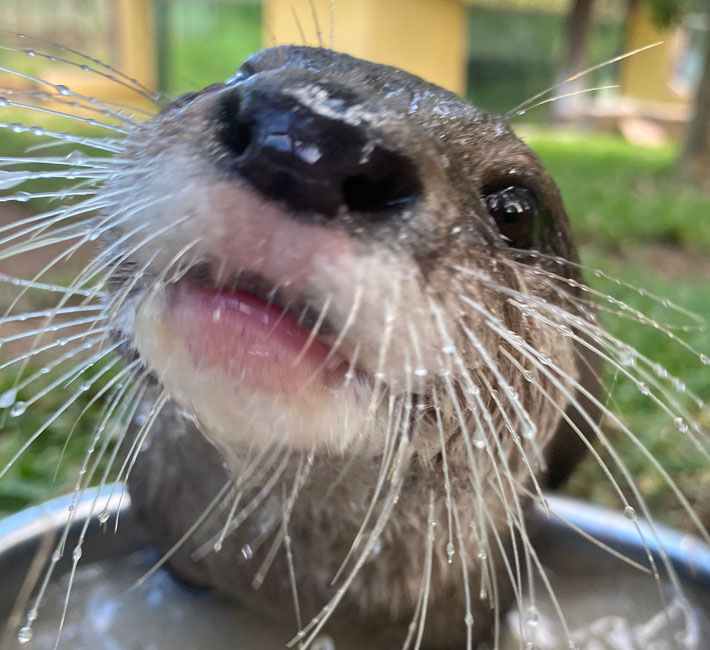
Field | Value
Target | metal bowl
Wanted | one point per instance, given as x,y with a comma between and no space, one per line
562,541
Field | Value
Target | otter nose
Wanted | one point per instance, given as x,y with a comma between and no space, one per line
320,161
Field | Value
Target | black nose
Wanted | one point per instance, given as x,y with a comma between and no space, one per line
320,161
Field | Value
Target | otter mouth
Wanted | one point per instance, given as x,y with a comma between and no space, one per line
249,329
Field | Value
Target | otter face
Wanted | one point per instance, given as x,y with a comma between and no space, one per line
321,234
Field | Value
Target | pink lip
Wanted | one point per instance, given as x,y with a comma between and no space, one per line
254,342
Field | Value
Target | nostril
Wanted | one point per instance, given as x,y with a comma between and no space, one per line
388,181
235,131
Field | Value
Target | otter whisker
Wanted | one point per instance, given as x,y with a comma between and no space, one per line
145,91
449,499
253,472
515,111
209,510
52,288
303,469
117,381
104,144
30,315
349,320
47,368
53,328
64,341
77,551
606,340
312,629
419,619
542,364
132,453
27,196
68,92
495,324
599,273
88,363
74,159
556,98
394,422
90,121
84,68
314,330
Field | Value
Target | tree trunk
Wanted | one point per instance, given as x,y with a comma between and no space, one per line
695,156
579,22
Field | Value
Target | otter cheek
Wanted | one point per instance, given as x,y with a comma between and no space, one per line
252,404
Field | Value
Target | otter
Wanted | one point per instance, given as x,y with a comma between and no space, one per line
347,315
358,341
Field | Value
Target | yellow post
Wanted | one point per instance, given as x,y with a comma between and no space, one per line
136,41
136,58
649,75
425,37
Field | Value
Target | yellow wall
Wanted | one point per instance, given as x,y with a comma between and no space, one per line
425,37
648,75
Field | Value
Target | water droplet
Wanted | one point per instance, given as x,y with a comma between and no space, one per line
376,548
85,386
421,371
450,551
705,359
8,398
217,546
469,620
627,357
247,552
76,555
681,425
75,157
84,67
4,102
56,556
30,53
103,517
323,642
456,230
532,616
16,127
18,408
630,513
24,635
482,555
479,441
449,349
645,390
62,90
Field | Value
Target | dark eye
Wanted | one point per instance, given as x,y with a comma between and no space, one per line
514,209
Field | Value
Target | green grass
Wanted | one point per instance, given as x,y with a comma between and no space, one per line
617,193
620,201
624,203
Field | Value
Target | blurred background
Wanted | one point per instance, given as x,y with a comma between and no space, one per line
628,143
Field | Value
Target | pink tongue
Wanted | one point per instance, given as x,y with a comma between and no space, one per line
254,342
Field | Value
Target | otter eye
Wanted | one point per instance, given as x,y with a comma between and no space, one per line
514,209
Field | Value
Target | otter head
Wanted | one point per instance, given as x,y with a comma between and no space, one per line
322,235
